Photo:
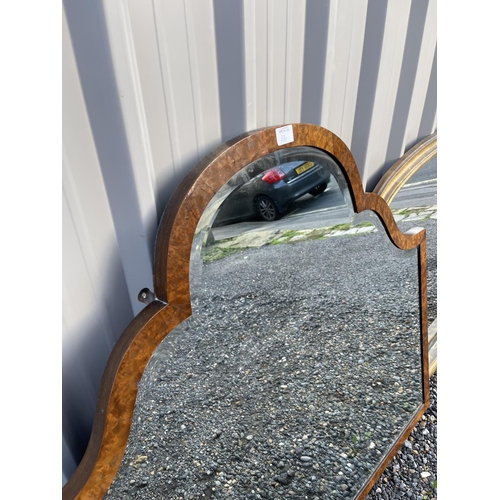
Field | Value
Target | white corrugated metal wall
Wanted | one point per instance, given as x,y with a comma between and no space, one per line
150,87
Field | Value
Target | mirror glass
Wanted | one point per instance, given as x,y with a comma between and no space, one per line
300,366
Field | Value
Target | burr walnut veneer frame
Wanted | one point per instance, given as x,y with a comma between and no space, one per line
171,305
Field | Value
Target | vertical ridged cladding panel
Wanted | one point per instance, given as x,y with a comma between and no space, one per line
151,87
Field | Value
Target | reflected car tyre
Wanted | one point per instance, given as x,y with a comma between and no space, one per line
318,189
267,209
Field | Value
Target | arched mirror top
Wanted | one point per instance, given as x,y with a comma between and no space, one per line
181,216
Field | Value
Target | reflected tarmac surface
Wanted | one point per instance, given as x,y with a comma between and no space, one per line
307,212
330,208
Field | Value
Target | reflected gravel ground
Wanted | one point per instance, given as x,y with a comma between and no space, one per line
295,399
413,471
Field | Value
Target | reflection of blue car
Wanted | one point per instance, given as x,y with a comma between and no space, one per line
269,194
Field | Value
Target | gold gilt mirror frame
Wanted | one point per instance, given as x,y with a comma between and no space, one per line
398,176
171,303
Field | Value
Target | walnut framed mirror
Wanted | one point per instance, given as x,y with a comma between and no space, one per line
284,350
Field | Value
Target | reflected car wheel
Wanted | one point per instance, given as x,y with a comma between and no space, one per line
318,189
267,209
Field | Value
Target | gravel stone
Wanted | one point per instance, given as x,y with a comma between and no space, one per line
302,362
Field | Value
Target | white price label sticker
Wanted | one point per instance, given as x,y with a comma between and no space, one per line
284,135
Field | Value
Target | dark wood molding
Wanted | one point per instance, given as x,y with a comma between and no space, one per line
175,235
